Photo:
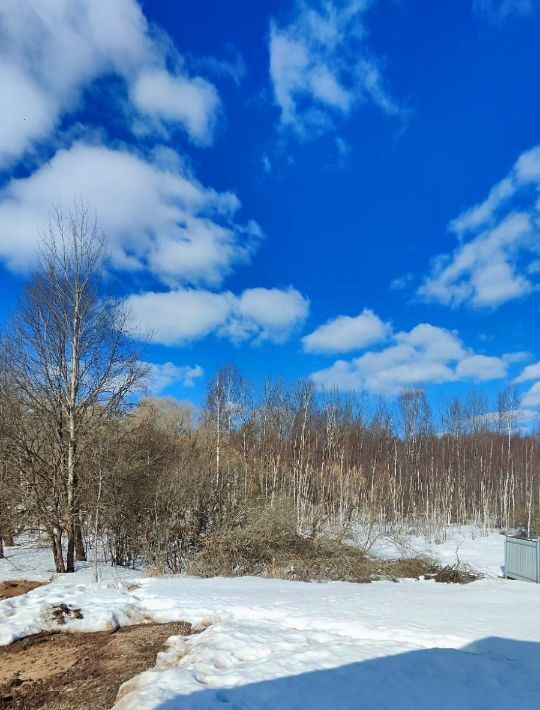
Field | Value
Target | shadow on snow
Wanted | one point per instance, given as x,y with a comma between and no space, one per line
490,674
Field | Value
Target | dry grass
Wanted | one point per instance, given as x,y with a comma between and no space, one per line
263,541
154,570
16,587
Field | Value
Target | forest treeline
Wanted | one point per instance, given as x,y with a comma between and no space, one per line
85,459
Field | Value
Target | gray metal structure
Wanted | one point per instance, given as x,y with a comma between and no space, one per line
522,559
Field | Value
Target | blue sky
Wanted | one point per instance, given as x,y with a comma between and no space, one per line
345,190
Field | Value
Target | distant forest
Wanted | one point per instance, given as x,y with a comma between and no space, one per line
84,461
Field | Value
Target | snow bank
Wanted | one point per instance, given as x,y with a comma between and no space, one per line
103,605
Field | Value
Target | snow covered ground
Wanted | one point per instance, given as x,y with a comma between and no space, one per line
464,544
276,644
32,560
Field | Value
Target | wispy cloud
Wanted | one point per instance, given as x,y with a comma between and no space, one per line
232,68
498,248
164,375
321,67
500,10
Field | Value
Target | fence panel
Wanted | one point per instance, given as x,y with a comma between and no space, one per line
522,559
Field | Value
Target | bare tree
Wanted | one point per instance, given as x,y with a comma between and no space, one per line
72,363
9,489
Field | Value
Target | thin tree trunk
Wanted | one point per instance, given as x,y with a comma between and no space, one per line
70,552
56,542
80,552
73,513
96,526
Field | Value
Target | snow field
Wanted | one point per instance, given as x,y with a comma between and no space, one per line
277,644
388,645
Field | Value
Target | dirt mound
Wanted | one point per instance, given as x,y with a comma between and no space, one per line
78,671
16,587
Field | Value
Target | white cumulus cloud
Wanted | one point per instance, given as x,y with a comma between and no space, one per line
185,315
422,356
481,368
346,333
531,372
162,226
178,99
532,397
50,52
155,215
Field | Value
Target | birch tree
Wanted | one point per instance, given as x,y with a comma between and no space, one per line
72,362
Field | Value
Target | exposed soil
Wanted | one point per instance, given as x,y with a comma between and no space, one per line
17,587
62,671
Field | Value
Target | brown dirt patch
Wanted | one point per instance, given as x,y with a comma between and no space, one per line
15,588
78,671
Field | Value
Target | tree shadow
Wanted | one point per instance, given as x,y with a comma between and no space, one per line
490,674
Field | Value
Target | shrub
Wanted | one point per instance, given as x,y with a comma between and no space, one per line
263,541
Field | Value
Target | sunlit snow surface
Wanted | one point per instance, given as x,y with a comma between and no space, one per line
276,644
466,545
